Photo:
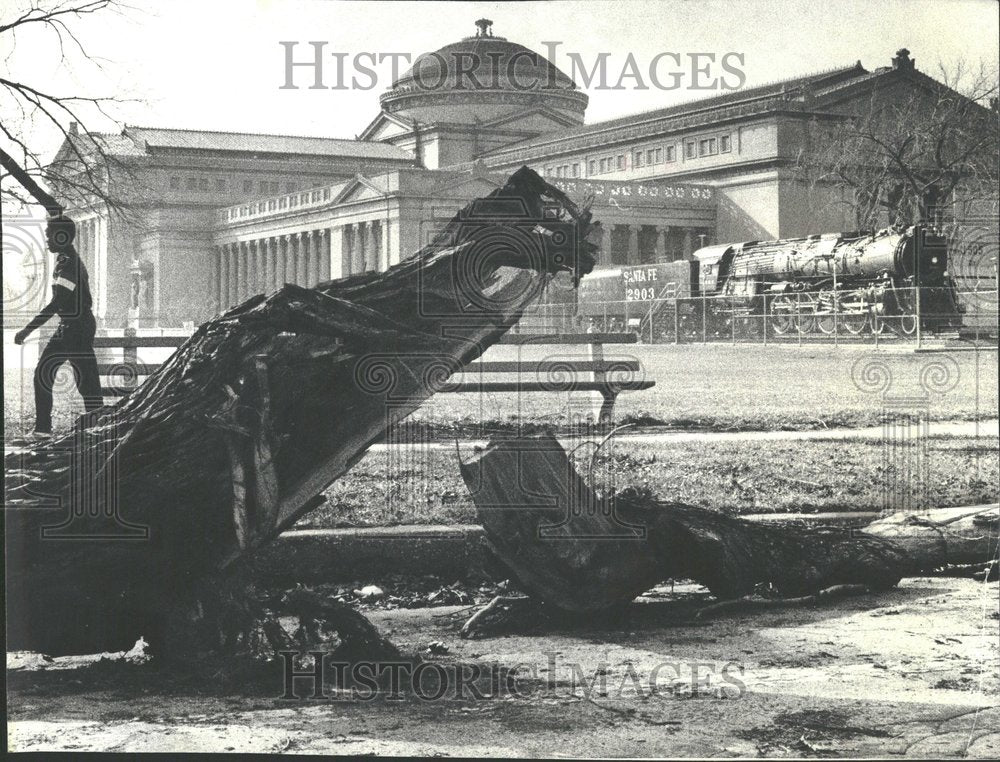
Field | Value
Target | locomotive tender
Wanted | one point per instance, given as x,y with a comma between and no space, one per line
841,282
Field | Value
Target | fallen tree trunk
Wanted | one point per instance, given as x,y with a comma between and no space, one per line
235,436
581,551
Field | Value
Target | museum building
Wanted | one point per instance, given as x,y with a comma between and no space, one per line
222,216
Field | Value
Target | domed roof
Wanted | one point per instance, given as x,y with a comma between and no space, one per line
484,63
480,67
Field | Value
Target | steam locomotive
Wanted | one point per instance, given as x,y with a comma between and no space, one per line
823,284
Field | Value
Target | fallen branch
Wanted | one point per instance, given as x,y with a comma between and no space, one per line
569,546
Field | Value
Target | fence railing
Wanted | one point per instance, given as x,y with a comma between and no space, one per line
861,315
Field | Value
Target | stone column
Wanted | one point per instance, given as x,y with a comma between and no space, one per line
256,263
347,244
390,247
215,266
224,284
632,257
688,247
223,267
291,257
375,259
265,265
605,255
335,264
233,258
662,231
305,259
241,271
319,255
279,261
274,245
361,250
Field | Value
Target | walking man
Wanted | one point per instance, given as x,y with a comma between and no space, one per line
73,341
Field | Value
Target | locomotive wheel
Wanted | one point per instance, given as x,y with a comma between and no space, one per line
805,307
901,325
783,315
907,325
853,323
825,324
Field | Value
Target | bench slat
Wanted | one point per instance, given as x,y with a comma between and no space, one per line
105,342
521,386
569,338
143,369
547,366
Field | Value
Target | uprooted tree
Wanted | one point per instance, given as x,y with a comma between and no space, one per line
580,550
148,507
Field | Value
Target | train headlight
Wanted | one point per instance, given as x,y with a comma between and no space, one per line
933,260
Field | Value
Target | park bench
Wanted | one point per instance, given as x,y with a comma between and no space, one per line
596,373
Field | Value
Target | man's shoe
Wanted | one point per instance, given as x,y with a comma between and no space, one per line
40,436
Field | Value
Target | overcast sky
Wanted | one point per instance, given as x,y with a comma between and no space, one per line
217,64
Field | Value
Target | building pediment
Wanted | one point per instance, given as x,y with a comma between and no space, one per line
384,127
360,188
538,119
475,183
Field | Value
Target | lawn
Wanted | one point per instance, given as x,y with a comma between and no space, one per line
423,485
720,387
711,387
723,387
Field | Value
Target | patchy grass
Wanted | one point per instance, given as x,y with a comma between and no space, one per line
711,387
744,388
425,487
714,387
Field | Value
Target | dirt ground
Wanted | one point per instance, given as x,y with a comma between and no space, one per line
914,671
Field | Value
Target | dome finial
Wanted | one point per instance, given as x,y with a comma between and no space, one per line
484,27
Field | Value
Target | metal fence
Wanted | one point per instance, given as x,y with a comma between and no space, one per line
870,315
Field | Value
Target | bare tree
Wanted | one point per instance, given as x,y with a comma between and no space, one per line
917,149
86,170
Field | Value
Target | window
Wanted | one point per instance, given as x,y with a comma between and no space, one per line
248,186
690,149
175,183
708,147
724,144
220,185
604,166
203,183
637,159
273,187
290,188
657,156
593,167
671,153
621,161
192,183
576,169
548,171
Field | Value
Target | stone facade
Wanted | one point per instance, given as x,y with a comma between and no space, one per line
221,216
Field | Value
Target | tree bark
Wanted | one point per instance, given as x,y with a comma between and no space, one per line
109,528
581,551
